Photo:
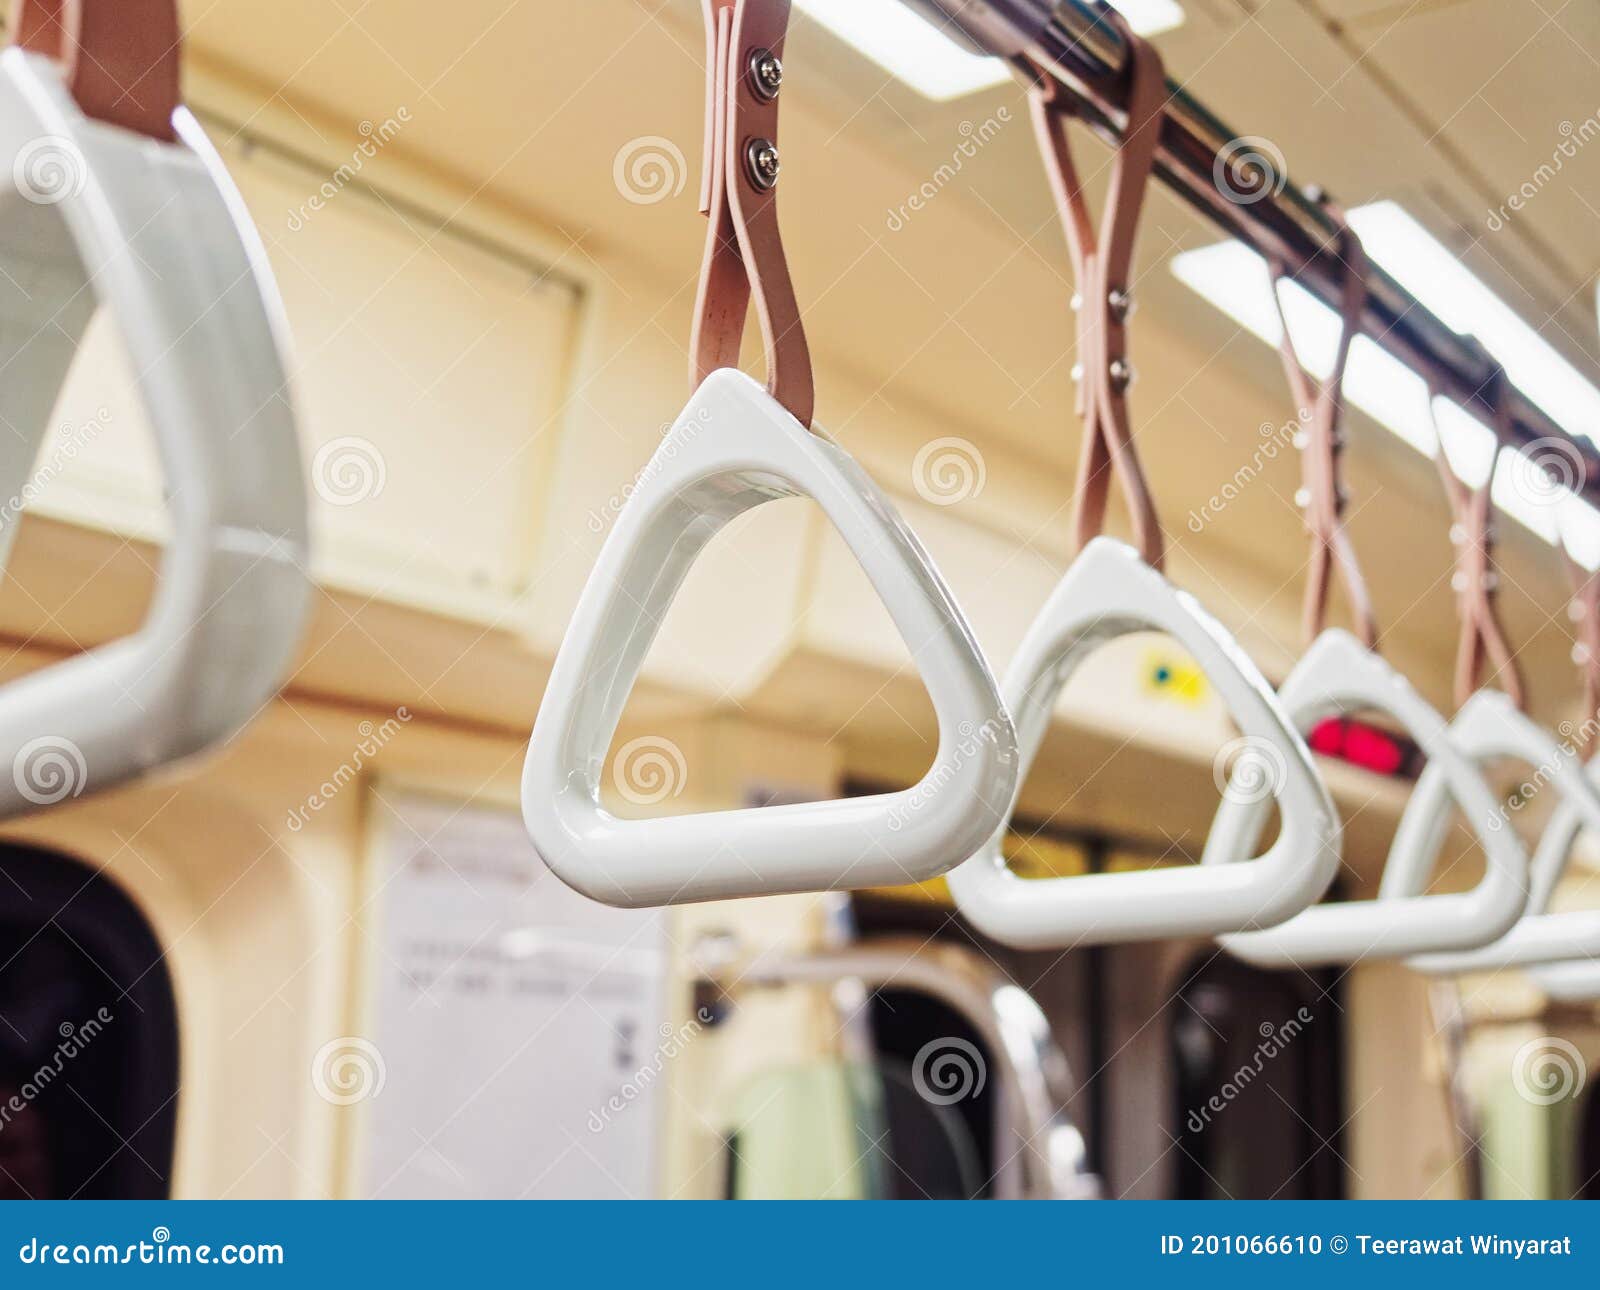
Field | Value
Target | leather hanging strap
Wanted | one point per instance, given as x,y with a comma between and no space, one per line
1483,640
1321,410
1104,301
1584,610
121,56
744,253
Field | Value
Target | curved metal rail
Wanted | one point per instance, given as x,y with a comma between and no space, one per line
1039,1153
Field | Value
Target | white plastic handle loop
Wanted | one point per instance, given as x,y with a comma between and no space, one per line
158,233
735,448
1340,675
1488,727
1575,982
1108,592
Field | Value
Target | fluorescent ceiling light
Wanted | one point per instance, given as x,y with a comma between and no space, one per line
1151,17
1431,272
1235,279
911,48
1580,525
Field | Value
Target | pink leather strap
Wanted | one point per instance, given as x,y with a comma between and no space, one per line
1321,410
1102,265
744,256
121,56
1584,610
1483,639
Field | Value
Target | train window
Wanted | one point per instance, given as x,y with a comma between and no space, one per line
853,1131
1588,1154
1256,1057
939,1104
88,1038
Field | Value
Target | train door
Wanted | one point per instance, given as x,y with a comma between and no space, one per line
88,1037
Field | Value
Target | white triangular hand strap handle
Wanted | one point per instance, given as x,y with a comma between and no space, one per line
1489,727
1108,592
733,449
1574,982
1340,675
158,233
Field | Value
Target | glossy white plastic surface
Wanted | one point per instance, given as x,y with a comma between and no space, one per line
1574,982
1490,727
1108,592
1340,675
734,448
159,235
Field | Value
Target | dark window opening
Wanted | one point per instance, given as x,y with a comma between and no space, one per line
932,1150
1589,1151
1257,1059
88,1038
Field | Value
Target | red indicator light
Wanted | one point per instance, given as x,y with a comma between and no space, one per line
1359,744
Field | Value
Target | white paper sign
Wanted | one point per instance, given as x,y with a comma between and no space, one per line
519,1023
